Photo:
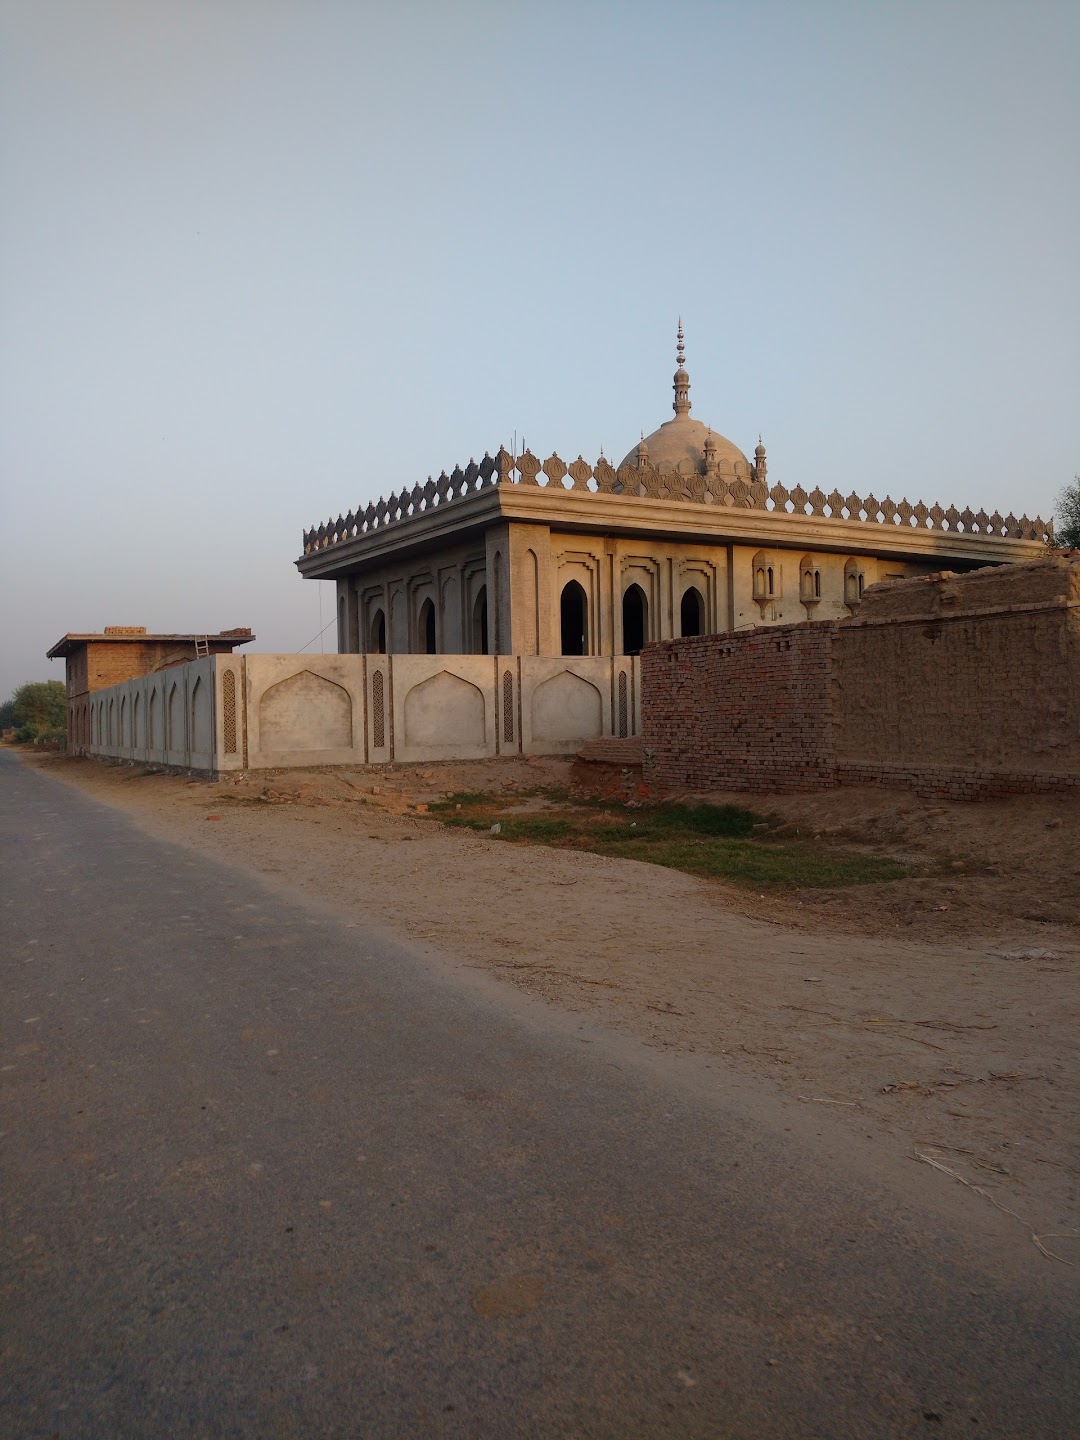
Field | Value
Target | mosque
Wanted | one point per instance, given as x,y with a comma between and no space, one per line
685,537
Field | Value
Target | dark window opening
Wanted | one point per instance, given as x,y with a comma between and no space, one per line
635,610
427,628
480,623
692,613
378,634
574,613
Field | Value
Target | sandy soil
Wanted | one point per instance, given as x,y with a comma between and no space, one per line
939,1015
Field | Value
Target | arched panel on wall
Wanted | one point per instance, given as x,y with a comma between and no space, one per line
398,638
496,619
136,721
111,721
566,708
354,618
200,718
122,729
532,575
152,719
445,710
692,612
174,729
574,619
478,638
453,642
305,712
635,620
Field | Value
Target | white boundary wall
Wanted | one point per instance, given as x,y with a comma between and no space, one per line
259,712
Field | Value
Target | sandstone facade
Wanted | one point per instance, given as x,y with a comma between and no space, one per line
686,537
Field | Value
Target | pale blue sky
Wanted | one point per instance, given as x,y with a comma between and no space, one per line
261,262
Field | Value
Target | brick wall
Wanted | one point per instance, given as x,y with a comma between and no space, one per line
749,712
956,686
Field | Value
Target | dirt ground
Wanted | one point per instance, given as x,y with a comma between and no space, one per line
938,1014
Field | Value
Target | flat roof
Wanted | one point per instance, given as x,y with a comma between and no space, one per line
132,635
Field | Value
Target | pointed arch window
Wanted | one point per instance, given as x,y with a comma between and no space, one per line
480,623
574,619
377,639
426,629
635,620
692,612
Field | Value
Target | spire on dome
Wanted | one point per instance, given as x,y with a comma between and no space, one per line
681,404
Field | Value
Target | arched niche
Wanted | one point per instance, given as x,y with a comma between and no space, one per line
175,730
200,718
566,710
445,711
305,712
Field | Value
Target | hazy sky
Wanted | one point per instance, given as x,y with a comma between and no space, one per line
261,262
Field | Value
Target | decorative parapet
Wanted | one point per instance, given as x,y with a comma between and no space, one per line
721,485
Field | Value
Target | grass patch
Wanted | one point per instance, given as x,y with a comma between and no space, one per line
723,842
761,863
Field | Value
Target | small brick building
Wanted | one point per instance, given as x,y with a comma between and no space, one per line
124,652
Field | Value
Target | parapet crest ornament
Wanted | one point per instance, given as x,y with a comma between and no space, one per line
716,483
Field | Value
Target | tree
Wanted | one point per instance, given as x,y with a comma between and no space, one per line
40,705
1067,519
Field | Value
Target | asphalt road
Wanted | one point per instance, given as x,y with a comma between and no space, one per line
269,1174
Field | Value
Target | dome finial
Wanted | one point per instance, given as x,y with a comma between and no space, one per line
681,405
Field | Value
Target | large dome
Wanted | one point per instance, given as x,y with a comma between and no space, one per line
687,444
683,439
